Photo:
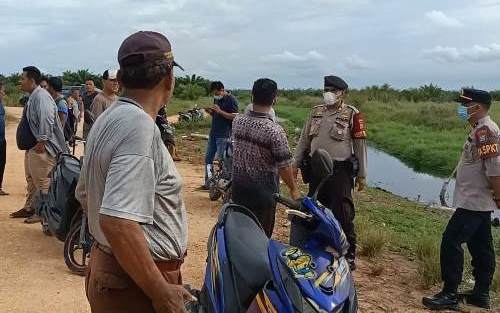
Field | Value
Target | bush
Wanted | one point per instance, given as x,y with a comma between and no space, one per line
372,239
427,250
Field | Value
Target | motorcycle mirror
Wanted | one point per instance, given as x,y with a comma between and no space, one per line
322,163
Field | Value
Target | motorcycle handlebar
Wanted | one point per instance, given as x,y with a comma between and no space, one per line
294,205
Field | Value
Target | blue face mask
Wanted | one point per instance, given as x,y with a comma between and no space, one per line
462,113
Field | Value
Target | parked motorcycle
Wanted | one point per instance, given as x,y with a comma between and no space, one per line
58,208
220,176
247,272
193,115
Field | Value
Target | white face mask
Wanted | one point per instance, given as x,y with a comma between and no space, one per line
330,98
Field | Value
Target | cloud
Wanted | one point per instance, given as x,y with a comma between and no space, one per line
441,19
287,57
355,62
477,53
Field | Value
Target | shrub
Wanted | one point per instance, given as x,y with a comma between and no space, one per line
427,250
372,238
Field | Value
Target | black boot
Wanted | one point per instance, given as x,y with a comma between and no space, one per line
480,299
441,301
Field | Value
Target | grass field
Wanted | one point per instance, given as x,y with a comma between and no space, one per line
384,222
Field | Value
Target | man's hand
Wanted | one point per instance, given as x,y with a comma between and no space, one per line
172,300
39,147
360,183
209,110
215,108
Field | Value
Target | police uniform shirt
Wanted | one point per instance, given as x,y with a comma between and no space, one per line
340,131
480,159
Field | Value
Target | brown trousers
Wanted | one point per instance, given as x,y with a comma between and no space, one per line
110,289
37,167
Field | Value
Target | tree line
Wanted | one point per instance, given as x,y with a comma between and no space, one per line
193,87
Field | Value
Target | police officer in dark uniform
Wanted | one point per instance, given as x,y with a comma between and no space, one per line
339,129
477,195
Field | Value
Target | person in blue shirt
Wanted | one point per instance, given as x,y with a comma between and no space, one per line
223,111
55,89
3,143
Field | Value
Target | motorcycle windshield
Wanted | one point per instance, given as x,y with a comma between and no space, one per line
327,231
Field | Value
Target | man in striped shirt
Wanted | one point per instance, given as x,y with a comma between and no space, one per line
261,156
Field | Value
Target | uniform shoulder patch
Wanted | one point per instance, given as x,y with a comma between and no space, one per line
318,110
487,143
358,126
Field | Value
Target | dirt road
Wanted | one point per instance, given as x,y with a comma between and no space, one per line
34,277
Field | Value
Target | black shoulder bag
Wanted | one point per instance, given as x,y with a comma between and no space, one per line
24,137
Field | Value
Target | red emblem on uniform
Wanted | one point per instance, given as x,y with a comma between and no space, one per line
487,143
358,126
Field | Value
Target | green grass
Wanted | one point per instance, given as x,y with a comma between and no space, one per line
427,250
372,239
178,105
427,136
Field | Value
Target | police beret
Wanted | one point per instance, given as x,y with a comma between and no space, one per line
335,82
468,95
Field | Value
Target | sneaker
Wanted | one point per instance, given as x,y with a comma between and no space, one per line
441,301
3,193
23,213
33,219
477,299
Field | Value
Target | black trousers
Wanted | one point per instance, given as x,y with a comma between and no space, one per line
259,200
336,194
3,159
473,228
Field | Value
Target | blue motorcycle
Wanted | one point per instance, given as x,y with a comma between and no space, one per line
247,272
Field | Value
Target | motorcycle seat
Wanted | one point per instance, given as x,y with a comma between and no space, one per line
247,246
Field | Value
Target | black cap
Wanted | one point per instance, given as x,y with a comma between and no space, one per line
335,82
468,95
144,45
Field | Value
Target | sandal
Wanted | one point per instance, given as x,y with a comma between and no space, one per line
23,213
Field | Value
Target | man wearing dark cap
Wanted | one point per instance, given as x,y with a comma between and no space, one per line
131,191
108,95
339,129
476,196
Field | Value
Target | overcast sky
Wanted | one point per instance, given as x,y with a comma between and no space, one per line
400,42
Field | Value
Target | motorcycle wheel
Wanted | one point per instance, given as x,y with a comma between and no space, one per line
76,255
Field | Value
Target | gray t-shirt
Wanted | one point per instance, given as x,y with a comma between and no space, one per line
480,160
44,122
128,173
